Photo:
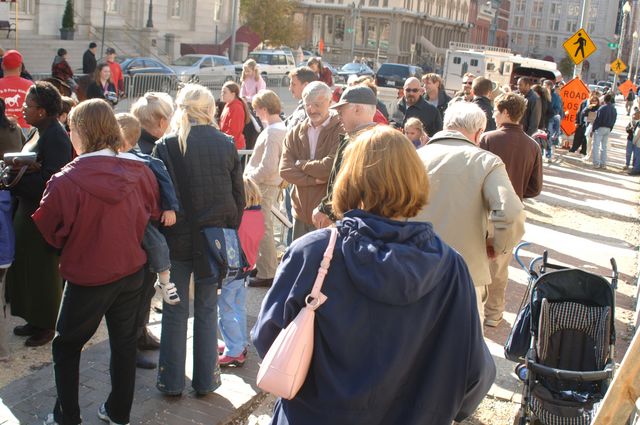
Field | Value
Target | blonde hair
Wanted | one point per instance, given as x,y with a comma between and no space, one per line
414,123
250,64
252,195
381,173
94,121
268,100
151,108
195,106
130,127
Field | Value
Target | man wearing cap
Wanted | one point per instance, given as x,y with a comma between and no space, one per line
89,62
61,69
356,109
413,105
116,71
13,88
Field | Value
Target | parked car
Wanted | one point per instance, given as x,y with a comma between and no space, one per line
146,74
395,74
354,68
273,62
596,87
199,68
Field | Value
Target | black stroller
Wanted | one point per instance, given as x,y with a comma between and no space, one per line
565,334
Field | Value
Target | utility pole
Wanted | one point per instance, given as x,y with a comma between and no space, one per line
494,24
234,24
626,9
584,21
104,24
634,40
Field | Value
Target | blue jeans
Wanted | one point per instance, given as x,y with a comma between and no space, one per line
631,153
553,128
232,317
600,139
173,340
155,245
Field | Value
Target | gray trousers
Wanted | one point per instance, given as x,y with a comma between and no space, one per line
267,261
301,228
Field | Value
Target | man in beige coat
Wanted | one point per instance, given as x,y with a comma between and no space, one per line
308,153
472,204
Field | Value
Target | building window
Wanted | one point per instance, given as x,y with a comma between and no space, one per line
328,30
520,5
112,6
456,60
372,34
373,3
176,8
25,7
316,33
474,62
217,10
385,3
574,9
556,8
338,36
554,24
385,29
592,28
572,26
518,21
537,6
535,22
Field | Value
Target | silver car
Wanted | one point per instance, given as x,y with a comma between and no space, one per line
204,68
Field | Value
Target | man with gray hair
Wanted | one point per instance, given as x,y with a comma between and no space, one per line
308,153
472,204
356,109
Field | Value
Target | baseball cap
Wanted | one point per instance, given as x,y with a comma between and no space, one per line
92,45
12,59
111,51
357,94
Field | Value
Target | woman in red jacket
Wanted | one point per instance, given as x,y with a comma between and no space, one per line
324,73
95,211
235,114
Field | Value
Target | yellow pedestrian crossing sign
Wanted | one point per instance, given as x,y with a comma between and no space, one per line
579,46
618,66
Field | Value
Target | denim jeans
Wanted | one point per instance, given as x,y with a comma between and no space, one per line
81,311
636,158
173,339
232,317
155,245
630,153
553,128
600,139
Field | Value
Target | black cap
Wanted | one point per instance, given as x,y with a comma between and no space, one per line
92,45
357,94
111,51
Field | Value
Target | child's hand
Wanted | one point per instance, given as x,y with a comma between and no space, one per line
168,218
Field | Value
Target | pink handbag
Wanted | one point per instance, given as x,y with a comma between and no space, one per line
285,367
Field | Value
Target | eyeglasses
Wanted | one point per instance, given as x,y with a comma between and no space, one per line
468,83
412,90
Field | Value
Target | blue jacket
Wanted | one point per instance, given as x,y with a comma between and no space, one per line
605,117
556,104
7,237
398,340
168,197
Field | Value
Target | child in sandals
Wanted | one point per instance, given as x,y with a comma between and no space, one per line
153,241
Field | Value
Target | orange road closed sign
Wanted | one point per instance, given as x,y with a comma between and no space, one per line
626,86
572,94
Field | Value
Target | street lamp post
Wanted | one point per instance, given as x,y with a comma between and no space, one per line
635,77
626,9
355,14
584,20
633,51
494,24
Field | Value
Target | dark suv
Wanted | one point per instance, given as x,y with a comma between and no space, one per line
395,74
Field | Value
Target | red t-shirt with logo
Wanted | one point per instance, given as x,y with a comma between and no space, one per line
13,90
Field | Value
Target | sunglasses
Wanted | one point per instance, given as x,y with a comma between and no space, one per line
412,90
468,83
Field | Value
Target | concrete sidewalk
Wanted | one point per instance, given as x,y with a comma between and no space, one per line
583,217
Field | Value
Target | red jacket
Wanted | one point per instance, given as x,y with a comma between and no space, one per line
326,76
116,76
61,69
96,210
232,122
250,233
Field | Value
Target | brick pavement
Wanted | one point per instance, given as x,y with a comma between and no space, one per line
28,400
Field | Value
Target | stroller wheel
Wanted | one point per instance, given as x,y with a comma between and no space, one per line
519,420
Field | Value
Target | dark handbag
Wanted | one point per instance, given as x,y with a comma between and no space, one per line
225,255
519,339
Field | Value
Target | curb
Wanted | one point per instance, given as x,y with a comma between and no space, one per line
239,416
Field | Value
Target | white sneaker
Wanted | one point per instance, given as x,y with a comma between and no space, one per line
102,414
50,420
168,291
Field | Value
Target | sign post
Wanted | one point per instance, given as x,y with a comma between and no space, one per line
579,46
572,94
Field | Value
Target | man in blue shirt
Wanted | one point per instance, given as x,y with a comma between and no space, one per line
602,127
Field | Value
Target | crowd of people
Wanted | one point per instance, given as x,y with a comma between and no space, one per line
427,202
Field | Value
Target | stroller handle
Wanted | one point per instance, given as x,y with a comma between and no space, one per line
614,274
587,376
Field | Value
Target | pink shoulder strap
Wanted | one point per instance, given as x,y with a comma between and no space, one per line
316,298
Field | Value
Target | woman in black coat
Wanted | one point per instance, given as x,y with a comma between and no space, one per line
101,87
34,285
206,171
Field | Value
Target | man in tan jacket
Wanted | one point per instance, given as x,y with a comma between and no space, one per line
308,153
472,204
